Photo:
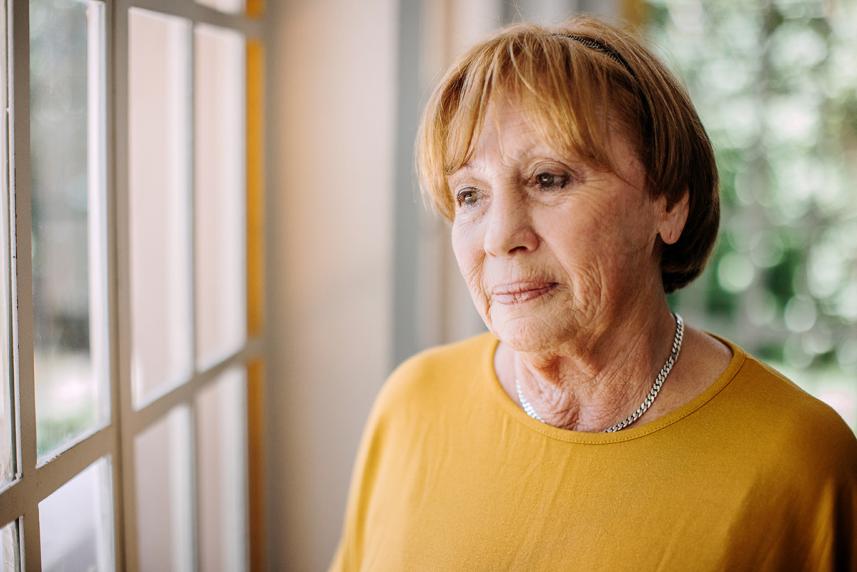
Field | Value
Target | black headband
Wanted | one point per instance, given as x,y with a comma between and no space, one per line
600,46
605,49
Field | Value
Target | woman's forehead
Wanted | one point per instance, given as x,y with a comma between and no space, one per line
512,131
509,131
504,128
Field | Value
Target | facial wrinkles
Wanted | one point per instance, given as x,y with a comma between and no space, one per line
474,280
496,164
571,400
591,220
587,237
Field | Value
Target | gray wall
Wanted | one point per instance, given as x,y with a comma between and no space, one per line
360,274
332,91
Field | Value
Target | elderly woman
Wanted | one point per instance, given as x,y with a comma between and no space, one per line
591,429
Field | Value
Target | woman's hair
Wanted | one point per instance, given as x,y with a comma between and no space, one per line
575,83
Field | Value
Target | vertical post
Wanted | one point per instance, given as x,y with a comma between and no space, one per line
112,288
22,271
123,412
255,101
406,203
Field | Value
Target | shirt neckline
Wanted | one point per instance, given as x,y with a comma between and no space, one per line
512,409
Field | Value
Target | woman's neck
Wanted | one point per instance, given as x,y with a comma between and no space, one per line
590,384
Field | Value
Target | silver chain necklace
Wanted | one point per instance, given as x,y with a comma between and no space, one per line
650,398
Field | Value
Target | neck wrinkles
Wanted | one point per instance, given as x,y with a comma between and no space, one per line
591,388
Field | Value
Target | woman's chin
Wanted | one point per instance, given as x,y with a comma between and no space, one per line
526,334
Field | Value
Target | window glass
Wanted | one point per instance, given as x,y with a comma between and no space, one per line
776,87
221,429
76,522
219,193
68,219
162,456
159,202
10,548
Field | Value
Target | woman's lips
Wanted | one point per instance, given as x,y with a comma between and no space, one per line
521,291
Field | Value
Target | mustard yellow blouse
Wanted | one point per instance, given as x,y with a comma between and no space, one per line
754,474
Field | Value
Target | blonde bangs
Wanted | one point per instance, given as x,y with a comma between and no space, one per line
567,91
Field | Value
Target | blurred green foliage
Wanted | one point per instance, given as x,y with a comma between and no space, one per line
776,86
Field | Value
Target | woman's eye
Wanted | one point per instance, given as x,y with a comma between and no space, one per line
466,197
551,181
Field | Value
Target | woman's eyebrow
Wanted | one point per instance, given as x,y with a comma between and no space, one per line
464,169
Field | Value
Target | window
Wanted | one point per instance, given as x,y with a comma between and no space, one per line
131,299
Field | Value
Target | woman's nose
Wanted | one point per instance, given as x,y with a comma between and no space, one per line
509,227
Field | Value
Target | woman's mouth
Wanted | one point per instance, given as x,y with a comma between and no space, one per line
519,292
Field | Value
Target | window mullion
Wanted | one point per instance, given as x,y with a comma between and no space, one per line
123,406
116,35
20,197
30,537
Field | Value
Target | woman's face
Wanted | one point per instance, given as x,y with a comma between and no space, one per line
553,251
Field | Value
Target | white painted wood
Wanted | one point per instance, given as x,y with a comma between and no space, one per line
109,249
114,255
20,194
127,526
7,415
133,422
201,14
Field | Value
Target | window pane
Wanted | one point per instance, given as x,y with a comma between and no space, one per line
164,491
7,451
222,452
76,522
219,197
68,234
10,552
231,6
159,202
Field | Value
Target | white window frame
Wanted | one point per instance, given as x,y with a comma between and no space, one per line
20,499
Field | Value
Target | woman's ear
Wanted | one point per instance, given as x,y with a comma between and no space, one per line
673,218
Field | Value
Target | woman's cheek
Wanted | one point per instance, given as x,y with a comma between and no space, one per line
466,245
471,270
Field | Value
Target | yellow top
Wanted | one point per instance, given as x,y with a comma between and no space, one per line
753,474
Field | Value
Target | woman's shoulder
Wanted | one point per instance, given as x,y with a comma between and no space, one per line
800,429
782,395
452,354
438,370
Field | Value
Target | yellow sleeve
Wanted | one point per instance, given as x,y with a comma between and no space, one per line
349,553
834,546
397,400
821,496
